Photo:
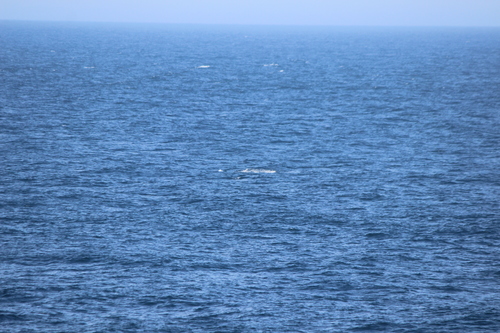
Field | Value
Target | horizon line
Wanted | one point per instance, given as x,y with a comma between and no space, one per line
255,24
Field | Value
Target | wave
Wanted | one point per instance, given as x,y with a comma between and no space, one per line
258,171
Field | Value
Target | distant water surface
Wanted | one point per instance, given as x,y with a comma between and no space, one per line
158,178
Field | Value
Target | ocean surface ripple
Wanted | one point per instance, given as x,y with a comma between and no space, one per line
169,178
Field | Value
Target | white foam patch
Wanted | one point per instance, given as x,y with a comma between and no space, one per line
258,171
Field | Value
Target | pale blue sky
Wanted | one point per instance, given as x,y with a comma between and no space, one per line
289,12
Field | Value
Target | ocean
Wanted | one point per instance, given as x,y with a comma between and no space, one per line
190,178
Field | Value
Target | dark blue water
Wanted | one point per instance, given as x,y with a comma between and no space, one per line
244,179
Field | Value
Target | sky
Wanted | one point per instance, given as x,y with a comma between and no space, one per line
274,12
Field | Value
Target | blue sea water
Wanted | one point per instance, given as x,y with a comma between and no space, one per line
169,178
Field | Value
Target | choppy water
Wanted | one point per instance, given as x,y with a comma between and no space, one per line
244,179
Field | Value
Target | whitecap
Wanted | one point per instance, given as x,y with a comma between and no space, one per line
203,66
258,171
